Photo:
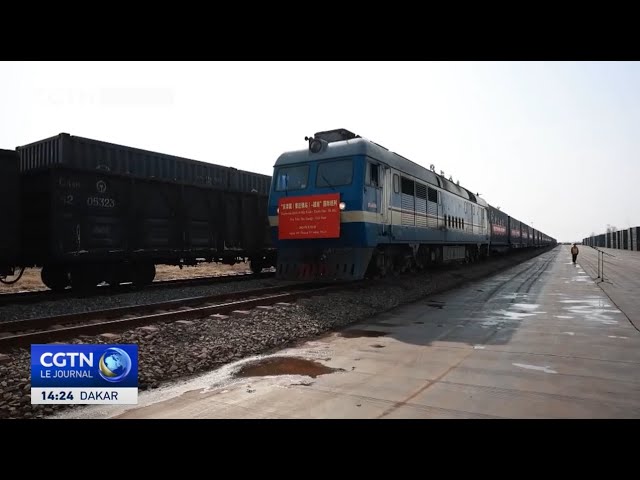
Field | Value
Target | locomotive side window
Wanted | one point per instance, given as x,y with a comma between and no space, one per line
334,174
292,178
373,177
396,183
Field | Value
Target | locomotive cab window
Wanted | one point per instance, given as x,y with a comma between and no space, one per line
373,174
335,173
292,178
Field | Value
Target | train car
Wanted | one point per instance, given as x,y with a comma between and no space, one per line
346,207
9,213
524,228
91,155
515,233
87,220
536,238
499,223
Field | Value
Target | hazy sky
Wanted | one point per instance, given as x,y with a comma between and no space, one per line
554,144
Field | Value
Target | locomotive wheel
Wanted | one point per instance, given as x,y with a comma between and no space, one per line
377,267
396,267
383,267
55,277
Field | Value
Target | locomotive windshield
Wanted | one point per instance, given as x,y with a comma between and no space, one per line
292,178
334,174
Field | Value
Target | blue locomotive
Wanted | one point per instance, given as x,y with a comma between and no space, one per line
345,208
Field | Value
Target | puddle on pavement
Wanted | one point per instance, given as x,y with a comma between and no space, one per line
377,345
362,333
284,366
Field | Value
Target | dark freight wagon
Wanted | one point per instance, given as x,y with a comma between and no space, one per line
87,154
9,212
88,211
515,233
86,227
499,222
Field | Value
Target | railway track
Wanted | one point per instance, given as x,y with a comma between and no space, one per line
49,295
48,329
24,332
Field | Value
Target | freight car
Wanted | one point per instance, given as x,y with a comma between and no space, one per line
93,212
345,208
10,212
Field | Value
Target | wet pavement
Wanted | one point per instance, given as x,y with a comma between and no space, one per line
540,340
617,273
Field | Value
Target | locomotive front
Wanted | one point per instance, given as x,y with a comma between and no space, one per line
314,201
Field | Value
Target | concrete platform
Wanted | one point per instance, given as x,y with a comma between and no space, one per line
619,277
541,340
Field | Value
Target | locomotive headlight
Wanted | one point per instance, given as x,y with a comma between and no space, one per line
277,210
315,146
342,205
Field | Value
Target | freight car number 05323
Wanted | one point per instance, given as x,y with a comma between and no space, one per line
101,202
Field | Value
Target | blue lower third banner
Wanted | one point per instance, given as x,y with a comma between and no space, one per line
84,374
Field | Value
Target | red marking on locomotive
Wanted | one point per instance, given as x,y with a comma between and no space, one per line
312,216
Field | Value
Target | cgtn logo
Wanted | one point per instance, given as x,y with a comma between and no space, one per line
84,374
115,364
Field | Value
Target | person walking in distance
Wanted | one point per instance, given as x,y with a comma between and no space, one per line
574,252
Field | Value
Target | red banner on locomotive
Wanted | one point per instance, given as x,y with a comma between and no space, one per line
312,216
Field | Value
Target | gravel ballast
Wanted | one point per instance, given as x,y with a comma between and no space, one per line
202,345
76,305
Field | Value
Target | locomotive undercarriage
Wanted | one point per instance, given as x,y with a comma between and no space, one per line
398,259
356,263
